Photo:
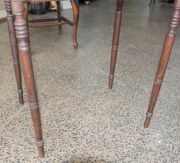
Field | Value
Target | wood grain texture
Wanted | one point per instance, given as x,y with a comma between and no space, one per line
21,30
166,52
14,49
115,42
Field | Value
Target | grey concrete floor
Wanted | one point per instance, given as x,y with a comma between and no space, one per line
82,120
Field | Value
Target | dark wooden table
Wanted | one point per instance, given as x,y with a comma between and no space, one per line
19,37
21,53
168,44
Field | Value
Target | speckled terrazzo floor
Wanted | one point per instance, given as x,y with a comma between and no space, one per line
83,121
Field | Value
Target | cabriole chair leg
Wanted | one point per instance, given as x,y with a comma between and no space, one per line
75,8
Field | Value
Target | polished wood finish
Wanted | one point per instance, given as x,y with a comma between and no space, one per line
22,36
115,42
169,41
168,45
17,18
18,29
14,49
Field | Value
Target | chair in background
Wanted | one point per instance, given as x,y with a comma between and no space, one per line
59,21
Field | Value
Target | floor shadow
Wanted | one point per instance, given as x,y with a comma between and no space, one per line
87,160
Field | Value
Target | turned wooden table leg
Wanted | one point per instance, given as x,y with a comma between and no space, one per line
76,10
21,30
14,49
169,41
115,42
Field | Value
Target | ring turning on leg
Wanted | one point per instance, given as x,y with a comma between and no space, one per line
21,30
115,42
168,44
14,49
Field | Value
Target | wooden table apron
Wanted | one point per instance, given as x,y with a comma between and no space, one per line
168,44
19,38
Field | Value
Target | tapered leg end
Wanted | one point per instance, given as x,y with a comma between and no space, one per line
147,122
40,145
20,94
111,77
110,83
41,152
21,100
